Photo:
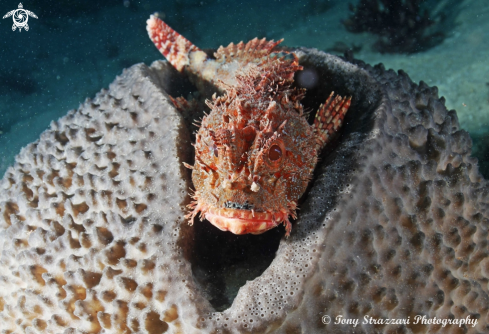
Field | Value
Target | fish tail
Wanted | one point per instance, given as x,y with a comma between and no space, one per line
171,44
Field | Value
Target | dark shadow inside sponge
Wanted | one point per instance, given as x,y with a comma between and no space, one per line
171,81
222,262
323,73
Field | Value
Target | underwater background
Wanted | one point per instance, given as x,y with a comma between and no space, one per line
73,49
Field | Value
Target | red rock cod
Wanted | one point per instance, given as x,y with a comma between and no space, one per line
255,152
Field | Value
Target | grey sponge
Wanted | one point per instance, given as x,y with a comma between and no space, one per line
93,239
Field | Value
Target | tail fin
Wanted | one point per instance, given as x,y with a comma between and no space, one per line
171,44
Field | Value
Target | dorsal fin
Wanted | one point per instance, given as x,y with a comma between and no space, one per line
243,53
220,72
170,43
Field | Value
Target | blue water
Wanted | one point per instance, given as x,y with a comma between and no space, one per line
74,49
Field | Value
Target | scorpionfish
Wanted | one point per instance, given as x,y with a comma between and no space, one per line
255,152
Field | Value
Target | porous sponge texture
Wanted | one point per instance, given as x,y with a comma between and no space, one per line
395,224
407,234
83,211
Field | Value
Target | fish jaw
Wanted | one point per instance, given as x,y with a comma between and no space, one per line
246,221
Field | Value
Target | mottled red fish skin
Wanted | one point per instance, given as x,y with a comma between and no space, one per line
255,152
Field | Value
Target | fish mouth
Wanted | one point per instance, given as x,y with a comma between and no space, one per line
244,221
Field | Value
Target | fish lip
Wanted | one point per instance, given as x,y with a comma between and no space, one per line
243,221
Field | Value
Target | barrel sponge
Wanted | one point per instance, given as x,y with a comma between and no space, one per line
93,239
92,215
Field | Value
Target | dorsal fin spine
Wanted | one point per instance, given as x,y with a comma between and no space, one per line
253,50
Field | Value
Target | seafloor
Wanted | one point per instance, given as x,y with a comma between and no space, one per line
74,49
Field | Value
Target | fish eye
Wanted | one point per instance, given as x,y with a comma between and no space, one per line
275,153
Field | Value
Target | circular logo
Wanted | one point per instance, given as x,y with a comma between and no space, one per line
20,17
326,319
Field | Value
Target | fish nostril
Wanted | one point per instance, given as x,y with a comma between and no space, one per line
240,206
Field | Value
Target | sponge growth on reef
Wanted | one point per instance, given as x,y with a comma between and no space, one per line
93,239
